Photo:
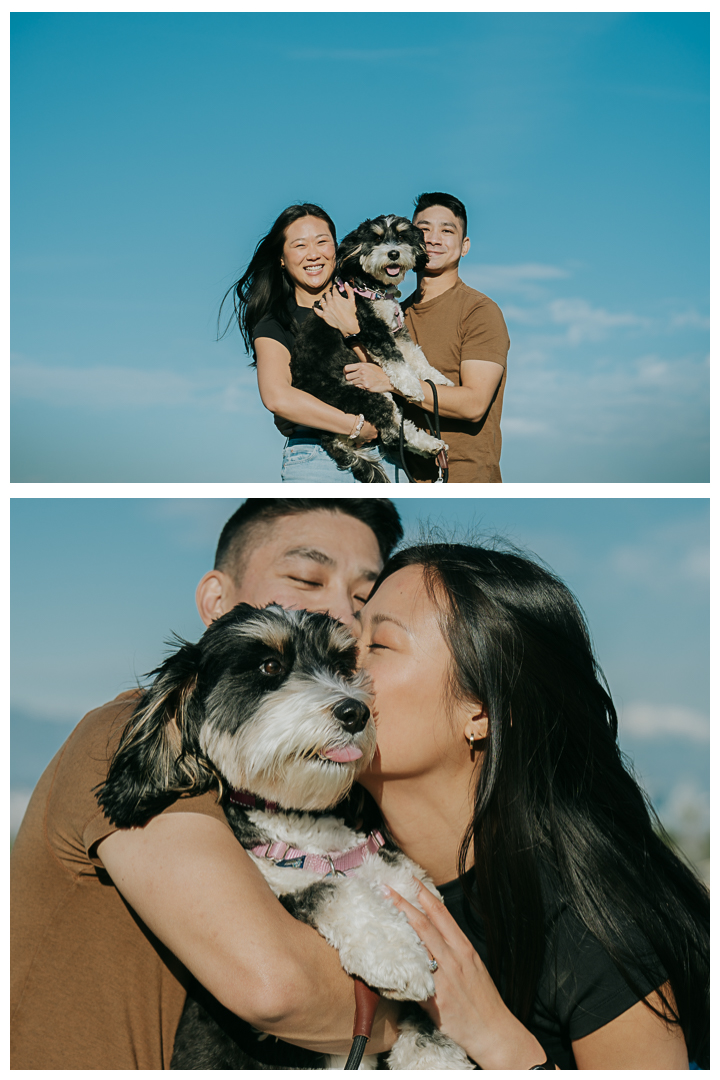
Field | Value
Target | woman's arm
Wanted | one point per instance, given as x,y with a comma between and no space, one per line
468,1008
637,1039
282,398
197,890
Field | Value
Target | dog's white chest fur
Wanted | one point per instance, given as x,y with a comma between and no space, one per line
388,311
374,939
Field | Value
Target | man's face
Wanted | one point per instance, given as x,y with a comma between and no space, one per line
444,240
317,561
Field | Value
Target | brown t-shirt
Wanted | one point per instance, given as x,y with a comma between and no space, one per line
91,987
461,324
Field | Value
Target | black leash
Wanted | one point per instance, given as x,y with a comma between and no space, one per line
435,426
402,444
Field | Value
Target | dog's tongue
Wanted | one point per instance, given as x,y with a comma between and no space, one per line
392,270
348,753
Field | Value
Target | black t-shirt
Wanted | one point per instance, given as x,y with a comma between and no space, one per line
580,989
269,327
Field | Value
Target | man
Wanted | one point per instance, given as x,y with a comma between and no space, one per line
463,334
108,924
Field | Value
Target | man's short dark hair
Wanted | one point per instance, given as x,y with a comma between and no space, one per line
379,515
441,198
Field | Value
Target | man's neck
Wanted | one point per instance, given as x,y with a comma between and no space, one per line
431,285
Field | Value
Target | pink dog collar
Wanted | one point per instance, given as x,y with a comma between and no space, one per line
335,863
390,294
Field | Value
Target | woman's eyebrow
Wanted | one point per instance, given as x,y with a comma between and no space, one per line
379,617
318,236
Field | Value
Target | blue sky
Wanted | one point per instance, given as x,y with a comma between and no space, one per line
151,152
99,584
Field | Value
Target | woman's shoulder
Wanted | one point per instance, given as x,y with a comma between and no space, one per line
271,327
587,982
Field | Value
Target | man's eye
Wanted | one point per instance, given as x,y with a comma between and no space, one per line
305,581
374,645
361,600
271,667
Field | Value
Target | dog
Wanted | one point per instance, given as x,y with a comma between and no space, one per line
372,260
268,708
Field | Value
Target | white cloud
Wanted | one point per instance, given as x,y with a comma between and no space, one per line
513,276
517,425
676,556
692,319
108,387
686,810
643,720
586,323
590,395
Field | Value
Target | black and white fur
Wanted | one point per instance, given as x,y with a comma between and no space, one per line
257,705
375,256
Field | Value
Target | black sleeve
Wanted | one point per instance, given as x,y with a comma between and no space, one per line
580,983
271,328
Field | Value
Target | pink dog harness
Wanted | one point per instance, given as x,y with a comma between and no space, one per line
284,855
333,864
378,295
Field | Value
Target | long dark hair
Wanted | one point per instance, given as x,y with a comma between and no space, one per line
554,796
264,288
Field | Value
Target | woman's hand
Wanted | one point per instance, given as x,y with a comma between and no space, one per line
369,377
467,1006
368,433
338,310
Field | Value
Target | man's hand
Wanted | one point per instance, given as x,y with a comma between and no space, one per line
368,377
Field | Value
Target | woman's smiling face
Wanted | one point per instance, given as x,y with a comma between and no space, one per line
309,253
419,730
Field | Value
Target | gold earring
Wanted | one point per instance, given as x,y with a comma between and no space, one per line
472,744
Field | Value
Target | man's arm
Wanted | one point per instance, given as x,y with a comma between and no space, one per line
197,890
472,399
469,401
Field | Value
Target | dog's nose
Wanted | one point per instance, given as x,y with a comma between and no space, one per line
352,714
393,254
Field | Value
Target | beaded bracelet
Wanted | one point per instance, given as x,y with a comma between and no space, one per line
358,427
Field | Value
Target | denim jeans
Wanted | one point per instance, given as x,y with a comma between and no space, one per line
306,462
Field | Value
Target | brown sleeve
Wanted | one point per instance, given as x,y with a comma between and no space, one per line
484,333
74,822
99,827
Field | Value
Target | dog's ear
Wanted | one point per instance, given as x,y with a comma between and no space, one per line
417,238
157,758
349,248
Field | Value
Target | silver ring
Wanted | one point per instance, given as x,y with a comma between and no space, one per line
433,965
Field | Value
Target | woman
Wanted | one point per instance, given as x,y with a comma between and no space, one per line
291,269
584,940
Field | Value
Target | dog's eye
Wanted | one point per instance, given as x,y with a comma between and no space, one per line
271,667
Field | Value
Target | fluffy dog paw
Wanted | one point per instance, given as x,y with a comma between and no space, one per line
422,1046
422,442
397,966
